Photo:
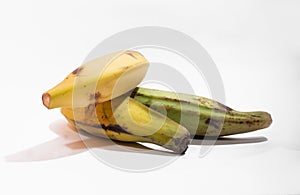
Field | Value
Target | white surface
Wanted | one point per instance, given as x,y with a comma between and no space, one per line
255,45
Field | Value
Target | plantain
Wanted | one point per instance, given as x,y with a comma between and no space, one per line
199,115
98,80
130,121
101,98
202,116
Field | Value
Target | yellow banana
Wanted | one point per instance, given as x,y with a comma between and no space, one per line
128,120
98,80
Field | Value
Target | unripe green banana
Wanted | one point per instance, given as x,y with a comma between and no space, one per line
200,115
129,120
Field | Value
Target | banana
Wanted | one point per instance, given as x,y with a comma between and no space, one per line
200,115
101,98
125,119
98,80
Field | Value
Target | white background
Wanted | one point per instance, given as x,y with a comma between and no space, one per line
255,44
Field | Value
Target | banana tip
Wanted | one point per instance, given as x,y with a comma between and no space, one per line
46,99
269,119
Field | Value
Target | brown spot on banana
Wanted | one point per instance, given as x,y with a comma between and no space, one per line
95,96
213,123
77,70
226,108
131,54
115,128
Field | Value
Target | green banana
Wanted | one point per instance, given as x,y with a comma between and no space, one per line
200,115
128,120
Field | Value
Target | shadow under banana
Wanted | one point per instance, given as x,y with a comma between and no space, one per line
70,142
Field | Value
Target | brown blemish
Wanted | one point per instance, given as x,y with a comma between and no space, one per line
207,121
90,110
134,92
213,123
95,96
225,107
129,53
77,70
114,128
91,107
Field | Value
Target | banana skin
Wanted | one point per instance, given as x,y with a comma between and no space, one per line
98,80
130,121
101,98
201,116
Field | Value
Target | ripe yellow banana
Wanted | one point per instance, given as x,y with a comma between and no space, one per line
202,116
98,80
128,120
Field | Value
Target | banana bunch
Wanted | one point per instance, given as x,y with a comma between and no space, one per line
101,98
